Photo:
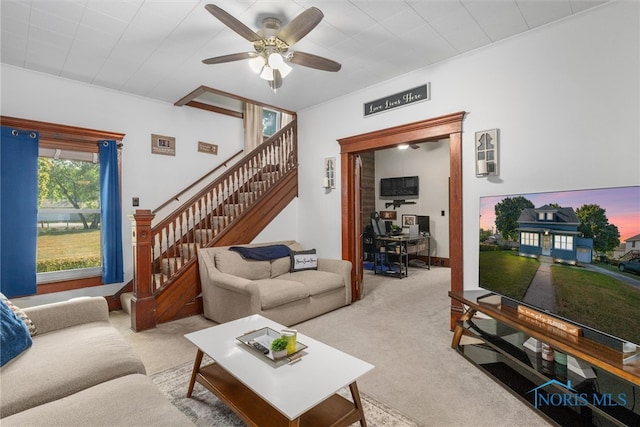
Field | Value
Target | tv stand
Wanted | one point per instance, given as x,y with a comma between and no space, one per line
607,392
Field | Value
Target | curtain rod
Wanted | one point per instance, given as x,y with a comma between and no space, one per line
119,144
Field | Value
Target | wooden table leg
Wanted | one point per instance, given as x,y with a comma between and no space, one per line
459,330
196,369
355,394
294,423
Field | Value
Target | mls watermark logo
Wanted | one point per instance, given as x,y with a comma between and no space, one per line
571,397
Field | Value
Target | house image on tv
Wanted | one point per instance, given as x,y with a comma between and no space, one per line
553,232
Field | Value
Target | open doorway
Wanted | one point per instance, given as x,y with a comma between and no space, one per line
450,127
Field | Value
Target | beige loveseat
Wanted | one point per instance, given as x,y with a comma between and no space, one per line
79,371
235,287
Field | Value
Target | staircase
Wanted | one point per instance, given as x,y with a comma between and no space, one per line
233,209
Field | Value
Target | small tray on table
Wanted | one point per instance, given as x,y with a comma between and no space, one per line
264,337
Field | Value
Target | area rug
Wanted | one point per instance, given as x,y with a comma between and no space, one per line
205,409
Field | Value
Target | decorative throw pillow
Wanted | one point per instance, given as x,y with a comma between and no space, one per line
304,260
21,315
14,335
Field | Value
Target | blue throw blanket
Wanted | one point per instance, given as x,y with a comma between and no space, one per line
263,253
15,337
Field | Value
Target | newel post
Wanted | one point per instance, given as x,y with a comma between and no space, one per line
143,305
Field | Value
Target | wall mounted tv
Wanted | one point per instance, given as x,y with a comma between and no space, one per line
559,253
399,188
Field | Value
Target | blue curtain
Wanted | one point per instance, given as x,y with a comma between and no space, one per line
18,211
111,214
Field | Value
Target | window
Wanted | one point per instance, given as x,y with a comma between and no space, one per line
270,122
79,147
563,242
68,214
545,216
273,121
529,239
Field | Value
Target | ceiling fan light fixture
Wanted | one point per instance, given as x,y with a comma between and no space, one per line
257,64
275,60
272,56
267,73
284,69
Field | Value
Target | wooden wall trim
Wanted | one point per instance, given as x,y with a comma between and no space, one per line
448,126
214,109
437,128
54,132
187,99
455,222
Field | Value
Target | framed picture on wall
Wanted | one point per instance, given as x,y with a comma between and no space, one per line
388,214
161,144
408,220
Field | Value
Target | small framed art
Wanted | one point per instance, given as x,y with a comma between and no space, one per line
165,145
408,220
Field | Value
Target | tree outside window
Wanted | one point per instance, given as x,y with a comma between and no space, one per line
68,212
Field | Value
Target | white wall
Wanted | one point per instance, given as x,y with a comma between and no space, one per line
566,98
151,177
430,162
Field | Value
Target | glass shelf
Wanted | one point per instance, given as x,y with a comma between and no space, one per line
499,351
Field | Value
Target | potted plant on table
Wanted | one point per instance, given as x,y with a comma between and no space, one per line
279,347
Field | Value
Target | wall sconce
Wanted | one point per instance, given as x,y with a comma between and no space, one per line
329,180
487,153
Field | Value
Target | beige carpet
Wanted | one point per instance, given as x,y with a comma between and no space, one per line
420,376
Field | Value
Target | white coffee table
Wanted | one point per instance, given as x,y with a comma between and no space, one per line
264,393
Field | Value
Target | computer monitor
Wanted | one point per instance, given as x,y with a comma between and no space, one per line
423,223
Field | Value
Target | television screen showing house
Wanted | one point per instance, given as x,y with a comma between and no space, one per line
570,253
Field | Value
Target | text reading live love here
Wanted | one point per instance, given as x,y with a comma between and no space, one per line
420,93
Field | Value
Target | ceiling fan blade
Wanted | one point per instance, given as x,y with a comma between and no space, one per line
300,25
229,58
314,61
233,23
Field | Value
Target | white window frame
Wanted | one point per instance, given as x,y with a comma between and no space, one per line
529,239
563,242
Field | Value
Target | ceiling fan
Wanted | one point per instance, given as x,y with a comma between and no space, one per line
272,43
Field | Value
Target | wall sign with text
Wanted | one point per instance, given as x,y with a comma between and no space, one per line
205,147
417,94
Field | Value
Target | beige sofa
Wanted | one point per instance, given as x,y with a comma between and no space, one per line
235,287
79,371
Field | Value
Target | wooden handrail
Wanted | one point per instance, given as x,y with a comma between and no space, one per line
176,198
257,152
168,249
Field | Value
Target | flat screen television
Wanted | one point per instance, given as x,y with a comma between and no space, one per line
399,188
560,253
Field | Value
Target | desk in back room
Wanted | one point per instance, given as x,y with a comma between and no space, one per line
392,253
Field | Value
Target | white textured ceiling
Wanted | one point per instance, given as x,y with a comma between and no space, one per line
154,48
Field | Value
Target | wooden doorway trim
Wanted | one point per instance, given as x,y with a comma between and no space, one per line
449,126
